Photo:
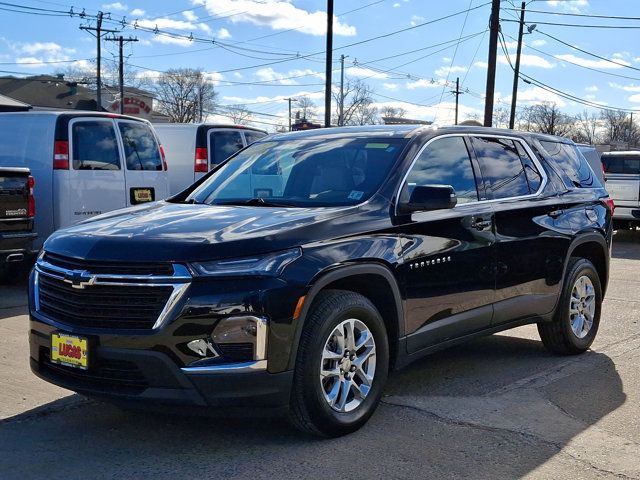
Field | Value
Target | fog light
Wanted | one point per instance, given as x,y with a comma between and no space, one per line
243,330
203,347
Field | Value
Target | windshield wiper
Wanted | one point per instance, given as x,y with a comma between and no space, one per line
256,201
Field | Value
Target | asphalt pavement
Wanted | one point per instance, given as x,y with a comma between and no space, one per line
498,407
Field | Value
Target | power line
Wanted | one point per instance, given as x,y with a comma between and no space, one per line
567,14
580,25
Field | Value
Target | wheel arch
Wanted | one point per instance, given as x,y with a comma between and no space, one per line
383,293
594,248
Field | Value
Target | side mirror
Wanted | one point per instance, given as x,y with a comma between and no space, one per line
430,197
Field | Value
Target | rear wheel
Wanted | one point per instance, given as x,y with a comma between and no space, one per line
577,317
342,365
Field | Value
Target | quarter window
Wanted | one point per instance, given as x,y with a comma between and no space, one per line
531,171
501,167
95,146
251,136
445,161
576,170
140,147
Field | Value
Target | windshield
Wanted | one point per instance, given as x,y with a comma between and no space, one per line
300,173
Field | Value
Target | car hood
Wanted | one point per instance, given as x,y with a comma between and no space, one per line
181,232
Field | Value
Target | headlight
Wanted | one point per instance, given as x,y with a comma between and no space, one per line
270,265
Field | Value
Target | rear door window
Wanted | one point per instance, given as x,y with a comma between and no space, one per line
223,144
501,167
140,146
621,164
576,170
445,161
94,145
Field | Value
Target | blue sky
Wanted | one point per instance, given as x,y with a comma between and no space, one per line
252,48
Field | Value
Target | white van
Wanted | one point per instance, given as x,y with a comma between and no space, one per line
622,170
193,149
84,163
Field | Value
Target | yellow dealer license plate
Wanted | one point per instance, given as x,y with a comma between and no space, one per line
69,350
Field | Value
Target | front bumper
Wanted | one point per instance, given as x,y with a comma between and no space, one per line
148,376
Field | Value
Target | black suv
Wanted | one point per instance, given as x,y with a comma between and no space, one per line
305,267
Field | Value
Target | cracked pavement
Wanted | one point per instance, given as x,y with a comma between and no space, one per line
498,407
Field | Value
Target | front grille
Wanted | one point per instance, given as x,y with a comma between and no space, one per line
102,306
106,374
110,268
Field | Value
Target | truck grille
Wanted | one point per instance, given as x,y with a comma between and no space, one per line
89,294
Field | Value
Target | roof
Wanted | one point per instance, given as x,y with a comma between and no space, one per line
11,104
407,131
618,153
75,113
45,91
206,124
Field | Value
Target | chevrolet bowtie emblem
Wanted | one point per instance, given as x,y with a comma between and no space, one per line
79,278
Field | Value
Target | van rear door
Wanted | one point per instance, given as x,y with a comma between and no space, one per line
94,182
145,177
222,143
623,179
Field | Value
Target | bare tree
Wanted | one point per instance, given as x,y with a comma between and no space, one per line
501,117
358,104
619,128
586,128
239,114
307,108
391,111
546,117
183,93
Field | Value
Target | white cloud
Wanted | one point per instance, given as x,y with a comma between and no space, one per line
237,75
278,15
43,47
423,83
635,98
268,74
204,27
626,88
222,34
391,86
572,6
444,71
535,95
167,23
480,64
167,40
528,61
586,62
416,19
365,72
36,54
396,5
115,6
592,88
538,43
213,77
137,12
190,16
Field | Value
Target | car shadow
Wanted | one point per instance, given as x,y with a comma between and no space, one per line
626,244
88,438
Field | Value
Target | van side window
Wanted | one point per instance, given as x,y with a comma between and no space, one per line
446,161
140,146
501,166
95,146
223,144
577,172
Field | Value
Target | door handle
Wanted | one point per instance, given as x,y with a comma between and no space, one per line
555,213
480,224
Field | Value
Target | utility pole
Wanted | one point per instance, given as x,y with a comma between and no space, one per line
121,41
290,100
329,56
516,72
99,31
494,28
341,115
457,93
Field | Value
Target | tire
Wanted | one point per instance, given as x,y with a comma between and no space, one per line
313,394
563,335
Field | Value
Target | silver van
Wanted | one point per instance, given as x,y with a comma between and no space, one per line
193,149
84,163
622,171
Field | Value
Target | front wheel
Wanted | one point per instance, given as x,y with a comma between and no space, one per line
342,365
577,317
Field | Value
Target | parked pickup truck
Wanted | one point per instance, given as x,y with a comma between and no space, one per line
622,170
17,209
